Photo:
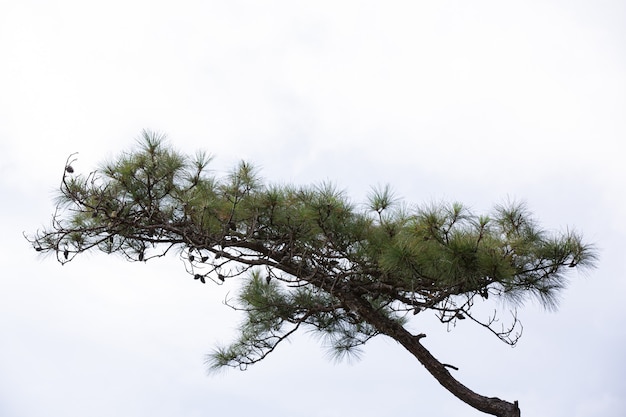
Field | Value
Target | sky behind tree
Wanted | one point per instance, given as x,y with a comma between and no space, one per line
476,102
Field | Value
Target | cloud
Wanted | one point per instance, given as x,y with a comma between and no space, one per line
443,101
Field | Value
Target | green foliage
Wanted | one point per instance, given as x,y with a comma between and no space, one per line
307,255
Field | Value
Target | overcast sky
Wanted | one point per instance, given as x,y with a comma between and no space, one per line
445,100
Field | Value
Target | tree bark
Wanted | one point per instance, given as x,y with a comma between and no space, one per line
490,405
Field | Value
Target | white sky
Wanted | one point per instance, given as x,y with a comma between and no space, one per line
470,101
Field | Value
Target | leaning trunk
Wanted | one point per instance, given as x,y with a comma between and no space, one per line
490,405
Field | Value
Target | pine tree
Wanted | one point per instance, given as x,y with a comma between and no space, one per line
309,258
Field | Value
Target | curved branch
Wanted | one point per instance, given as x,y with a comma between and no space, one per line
490,405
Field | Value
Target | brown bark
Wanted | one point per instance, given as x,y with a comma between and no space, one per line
490,405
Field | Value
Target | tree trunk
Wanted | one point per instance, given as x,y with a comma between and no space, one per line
490,405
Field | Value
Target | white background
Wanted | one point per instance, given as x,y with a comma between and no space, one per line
453,100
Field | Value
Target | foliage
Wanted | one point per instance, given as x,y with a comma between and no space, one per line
308,256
